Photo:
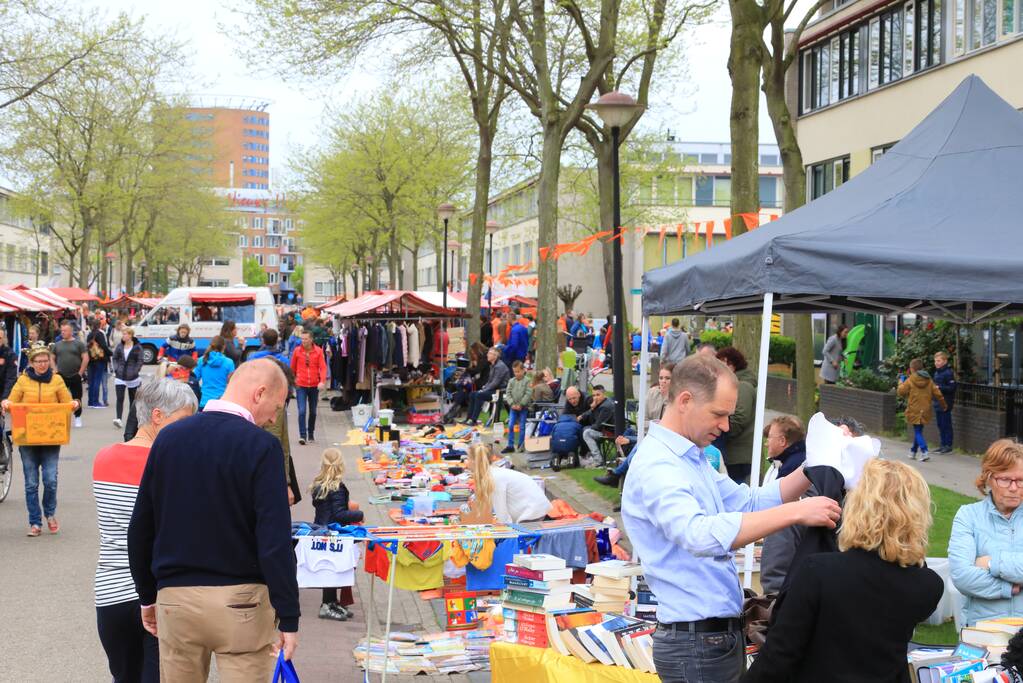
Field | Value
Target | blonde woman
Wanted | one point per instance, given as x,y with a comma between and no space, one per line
332,505
849,615
513,496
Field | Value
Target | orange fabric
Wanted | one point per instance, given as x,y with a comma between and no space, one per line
378,563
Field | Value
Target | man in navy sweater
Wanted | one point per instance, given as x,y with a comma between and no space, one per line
209,542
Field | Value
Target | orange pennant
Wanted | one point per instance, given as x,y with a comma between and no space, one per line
772,217
472,278
752,220
728,228
543,253
710,233
681,228
664,231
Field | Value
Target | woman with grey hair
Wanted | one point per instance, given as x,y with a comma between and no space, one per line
132,653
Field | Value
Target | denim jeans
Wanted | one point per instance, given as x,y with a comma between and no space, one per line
97,378
34,459
684,657
944,420
133,654
623,467
519,417
918,439
476,401
307,396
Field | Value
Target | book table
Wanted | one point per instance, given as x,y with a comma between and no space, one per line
511,663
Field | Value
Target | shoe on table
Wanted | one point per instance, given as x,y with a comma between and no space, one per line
118,423
328,611
924,457
78,422
507,449
52,524
34,531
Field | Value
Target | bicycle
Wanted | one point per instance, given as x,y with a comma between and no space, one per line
6,461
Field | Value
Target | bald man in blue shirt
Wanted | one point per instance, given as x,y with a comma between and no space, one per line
685,521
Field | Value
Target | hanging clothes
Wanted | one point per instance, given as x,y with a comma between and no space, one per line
414,349
363,336
491,578
403,338
396,358
413,573
421,338
325,563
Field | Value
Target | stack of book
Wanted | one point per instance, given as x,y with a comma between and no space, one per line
611,639
992,635
938,665
646,601
610,588
534,585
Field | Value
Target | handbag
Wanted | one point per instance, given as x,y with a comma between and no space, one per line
284,671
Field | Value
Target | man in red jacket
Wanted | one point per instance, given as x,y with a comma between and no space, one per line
310,370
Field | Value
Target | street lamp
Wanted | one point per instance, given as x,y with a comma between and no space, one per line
616,109
445,212
492,228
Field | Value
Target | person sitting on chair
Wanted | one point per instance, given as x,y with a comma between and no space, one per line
601,411
496,381
576,402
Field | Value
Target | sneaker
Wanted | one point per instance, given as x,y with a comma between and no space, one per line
52,524
608,480
945,449
924,457
34,531
301,440
341,610
78,422
912,455
311,439
118,423
328,611
507,449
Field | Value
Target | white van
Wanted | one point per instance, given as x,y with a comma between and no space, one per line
204,310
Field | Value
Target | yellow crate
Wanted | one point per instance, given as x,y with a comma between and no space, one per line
41,424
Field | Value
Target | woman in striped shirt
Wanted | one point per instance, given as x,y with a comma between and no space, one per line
132,653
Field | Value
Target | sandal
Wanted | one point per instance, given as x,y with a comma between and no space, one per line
52,525
34,531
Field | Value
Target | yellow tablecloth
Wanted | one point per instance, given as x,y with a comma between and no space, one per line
511,663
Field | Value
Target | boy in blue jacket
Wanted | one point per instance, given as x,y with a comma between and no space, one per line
945,380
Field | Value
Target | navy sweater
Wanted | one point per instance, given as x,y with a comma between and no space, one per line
212,510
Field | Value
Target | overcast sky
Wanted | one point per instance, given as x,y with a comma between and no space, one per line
296,112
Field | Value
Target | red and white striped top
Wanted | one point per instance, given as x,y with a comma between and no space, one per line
116,474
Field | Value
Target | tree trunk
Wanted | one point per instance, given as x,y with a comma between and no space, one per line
744,63
547,290
83,255
478,240
794,178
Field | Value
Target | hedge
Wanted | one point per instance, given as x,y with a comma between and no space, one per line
782,350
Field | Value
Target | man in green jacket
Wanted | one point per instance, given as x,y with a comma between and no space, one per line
738,447
518,395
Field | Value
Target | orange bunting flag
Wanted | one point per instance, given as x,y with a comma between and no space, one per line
728,228
543,253
664,231
602,234
472,278
772,217
752,220
710,233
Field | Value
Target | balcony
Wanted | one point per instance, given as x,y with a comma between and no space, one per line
287,266
288,247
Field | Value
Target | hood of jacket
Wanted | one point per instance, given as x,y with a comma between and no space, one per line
747,375
919,379
214,360
673,333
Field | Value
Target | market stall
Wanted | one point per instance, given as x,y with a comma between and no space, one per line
875,244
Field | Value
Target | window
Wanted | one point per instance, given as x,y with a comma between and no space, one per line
769,192
517,254
711,158
826,176
271,278
528,253
44,262
243,241
259,259
664,186
505,255
216,262
257,241
287,224
704,191
769,159
257,223
645,191
273,260
11,256
684,190
722,190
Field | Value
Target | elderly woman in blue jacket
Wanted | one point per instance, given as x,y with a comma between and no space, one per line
985,553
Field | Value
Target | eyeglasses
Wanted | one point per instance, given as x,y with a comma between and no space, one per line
1007,482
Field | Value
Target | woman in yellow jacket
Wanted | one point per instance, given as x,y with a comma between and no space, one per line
40,384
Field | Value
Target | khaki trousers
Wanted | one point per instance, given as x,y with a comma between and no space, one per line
235,622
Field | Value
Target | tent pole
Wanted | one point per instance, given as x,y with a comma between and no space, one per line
758,421
644,357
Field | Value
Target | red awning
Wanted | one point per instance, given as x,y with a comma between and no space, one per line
223,298
46,296
389,301
74,294
125,301
20,301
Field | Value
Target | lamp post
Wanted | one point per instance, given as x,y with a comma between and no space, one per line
616,109
445,212
492,228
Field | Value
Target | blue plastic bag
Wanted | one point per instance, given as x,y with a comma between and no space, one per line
284,672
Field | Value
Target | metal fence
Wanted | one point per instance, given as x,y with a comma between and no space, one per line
1003,399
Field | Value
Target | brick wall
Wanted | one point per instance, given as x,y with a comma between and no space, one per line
781,394
973,429
873,409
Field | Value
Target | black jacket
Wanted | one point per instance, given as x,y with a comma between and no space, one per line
127,369
334,507
101,340
594,417
8,371
576,410
498,377
848,619
945,380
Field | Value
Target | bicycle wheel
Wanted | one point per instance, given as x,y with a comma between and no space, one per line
6,466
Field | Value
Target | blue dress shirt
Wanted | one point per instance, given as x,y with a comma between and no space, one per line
682,518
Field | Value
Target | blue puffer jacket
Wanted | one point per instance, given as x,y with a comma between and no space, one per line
213,371
945,380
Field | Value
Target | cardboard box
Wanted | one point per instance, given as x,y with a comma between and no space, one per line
41,424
